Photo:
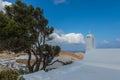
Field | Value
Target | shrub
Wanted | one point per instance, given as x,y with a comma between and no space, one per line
10,75
23,71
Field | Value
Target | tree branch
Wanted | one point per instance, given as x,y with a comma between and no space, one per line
57,61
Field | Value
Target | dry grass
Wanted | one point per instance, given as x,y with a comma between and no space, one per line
73,56
24,61
3,68
79,55
3,52
7,57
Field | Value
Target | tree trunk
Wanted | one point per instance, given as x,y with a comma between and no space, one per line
29,59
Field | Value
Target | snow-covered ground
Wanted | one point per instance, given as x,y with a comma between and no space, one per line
99,64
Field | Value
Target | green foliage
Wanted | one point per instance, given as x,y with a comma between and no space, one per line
24,28
21,25
9,75
57,50
12,74
21,71
3,21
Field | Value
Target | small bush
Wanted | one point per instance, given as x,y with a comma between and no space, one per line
22,78
23,71
10,75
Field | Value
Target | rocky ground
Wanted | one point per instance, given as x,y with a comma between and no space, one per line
6,58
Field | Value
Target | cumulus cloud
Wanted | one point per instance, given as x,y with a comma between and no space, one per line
118,39
105,42
3,4
59,1
72,38
110,44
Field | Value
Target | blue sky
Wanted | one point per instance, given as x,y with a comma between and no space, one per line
101,17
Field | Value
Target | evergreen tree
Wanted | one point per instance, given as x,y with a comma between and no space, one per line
24,28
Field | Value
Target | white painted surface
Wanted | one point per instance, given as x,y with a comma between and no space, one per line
99,64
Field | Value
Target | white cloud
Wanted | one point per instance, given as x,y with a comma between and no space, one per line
118,39
105,42
73,38
3,4
58,31
59,1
